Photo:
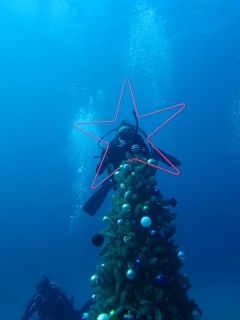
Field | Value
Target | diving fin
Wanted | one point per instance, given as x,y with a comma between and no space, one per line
94,203
172,159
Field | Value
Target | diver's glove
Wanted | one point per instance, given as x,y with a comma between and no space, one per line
85,316
136,149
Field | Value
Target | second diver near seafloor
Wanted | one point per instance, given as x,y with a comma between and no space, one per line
128,141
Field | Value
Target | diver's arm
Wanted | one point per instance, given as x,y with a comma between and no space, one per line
172,159
113,146
104,165
31,309
63,305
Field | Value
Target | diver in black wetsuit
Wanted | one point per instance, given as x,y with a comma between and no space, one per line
128,141
52,303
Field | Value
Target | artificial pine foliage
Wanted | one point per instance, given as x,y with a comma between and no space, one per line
139,276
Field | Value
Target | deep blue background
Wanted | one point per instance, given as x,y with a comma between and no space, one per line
64,61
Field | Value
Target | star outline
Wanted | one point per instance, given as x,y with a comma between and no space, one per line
182,106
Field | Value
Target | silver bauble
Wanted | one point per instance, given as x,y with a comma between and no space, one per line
126,208
103,316
146,222
127,195
127,167
131,274
116,174
146,209
94,280
152,161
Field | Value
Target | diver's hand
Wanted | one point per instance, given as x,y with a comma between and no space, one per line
136,149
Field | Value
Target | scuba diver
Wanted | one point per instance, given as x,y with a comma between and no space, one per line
52,303
129,139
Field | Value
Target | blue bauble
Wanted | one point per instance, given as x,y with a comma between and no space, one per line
181,256
157,191
153,233
169,231
120,222
97,240
138,262
163,280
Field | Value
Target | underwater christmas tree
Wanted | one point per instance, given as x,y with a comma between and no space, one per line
139,276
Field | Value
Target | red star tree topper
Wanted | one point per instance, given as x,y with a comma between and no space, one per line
177,108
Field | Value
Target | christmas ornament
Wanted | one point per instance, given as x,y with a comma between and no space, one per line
157,191
196,314
131,274
128,316
146,209
146,222
127,195
122,186
153,233
105,219
138,262
94,297
94,280
103,316
152,161
162,280
173,202
97,240
116,174
181,256
126,239
120,222
127,167
113,315
126,208
133,174
169,231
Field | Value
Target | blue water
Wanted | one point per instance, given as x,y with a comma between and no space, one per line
64,61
